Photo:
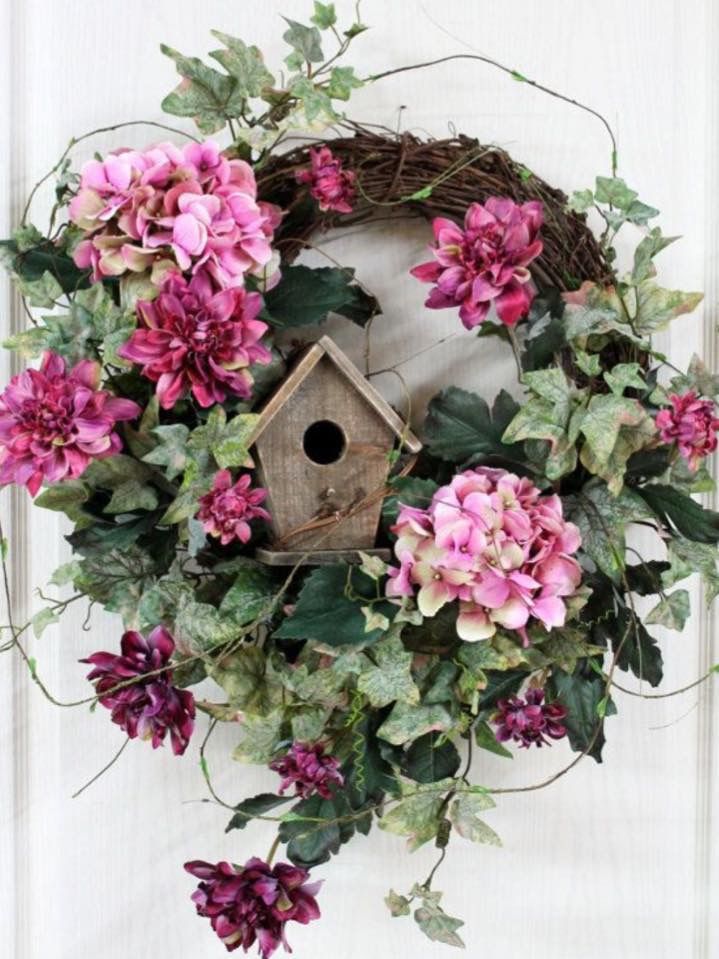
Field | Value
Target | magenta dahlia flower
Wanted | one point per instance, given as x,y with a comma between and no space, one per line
195,340
151,706
494,543
331,185
486,262
306,767
189,205
54,422
692,424
254,902
226,511
530,720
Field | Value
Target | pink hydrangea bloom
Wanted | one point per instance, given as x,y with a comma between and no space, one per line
151,706
226,511
331,185
254,902
309,769
530,720
196,340
53,422
486,262
190,204
495,544
692,424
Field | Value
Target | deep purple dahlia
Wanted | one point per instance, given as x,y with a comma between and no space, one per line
306,767
254,902
530,720
151,706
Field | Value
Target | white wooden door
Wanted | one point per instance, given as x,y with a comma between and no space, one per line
613,861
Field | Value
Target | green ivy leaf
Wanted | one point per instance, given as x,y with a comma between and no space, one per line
305,40
688,557
406,722
324,16
656,307
580,201
486,739
437,925
249,595
464,816
205,94
171,451
342,82
624,376
244,64
615,192
41,620
416,816
397,905
130,496
260,737
672,612
614,427
388,676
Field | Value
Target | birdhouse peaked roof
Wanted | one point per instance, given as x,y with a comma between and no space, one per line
325,347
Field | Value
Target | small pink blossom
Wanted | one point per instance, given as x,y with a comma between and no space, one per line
492,542
190,205
331,185
309,769
530,720
226,511
54,422
253,903
195,340
692,424
150,706
486,262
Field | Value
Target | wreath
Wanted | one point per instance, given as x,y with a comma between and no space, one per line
372,610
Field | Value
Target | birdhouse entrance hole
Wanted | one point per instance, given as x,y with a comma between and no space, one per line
324,442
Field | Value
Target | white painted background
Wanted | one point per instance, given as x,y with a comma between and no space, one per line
612,861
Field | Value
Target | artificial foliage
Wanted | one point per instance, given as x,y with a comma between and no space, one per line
509,604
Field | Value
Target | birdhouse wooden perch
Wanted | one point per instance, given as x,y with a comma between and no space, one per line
322,445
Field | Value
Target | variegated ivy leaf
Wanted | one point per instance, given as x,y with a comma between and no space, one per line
201,625
614,428
372,566
464,815
437,925
407,722
205,94
416,815
387,677
687,557
592,313
245,65
171,450
342,82
602,520
244,678
699,378
397,905
374,620
625,376
45,291
324,16
565,646
656,307
645,252
260,737
588,363
672,612
131,495
42,619
316,102
305,40
580,201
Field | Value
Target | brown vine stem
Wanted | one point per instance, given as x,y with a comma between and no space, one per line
102,772
515,75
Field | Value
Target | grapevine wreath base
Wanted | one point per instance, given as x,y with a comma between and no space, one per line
463,591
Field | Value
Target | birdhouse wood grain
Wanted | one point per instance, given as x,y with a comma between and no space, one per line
322,445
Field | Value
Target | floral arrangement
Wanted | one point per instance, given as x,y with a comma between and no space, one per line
504,602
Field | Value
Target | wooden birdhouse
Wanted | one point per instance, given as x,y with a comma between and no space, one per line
322,444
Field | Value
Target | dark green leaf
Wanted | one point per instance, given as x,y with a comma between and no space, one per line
581,694
409,491
305,296
256,806
638,650
460,427
430,758
329,608
485,738
681,513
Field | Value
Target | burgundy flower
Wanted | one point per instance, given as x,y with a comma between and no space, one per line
307,767
486,262
150,707
528,721
226,510
254,902
54,422
330,185
691,423
197,340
